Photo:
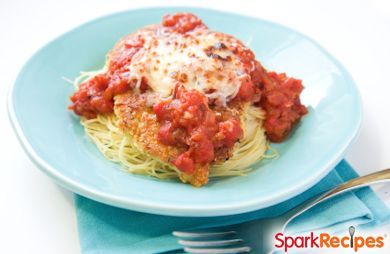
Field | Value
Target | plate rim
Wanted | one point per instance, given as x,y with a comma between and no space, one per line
181,210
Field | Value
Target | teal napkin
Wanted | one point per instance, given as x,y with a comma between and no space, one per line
105,229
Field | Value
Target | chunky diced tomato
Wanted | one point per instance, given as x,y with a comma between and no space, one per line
96,96
247,90
282,104
182,22
231,131
165,134
185,163
192,124
202,146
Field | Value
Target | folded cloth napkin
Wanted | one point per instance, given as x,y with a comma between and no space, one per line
105,229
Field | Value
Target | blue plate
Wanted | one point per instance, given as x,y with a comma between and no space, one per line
55,141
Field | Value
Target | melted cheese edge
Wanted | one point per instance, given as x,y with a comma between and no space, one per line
201,60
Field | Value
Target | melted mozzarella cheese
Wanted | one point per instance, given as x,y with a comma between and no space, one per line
201,61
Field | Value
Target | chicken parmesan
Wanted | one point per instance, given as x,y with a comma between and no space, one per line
177,99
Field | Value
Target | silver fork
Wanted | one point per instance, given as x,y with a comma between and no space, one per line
229,241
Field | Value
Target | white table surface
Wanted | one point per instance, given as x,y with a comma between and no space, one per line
36,216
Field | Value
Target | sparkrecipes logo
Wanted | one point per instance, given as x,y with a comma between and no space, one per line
325,240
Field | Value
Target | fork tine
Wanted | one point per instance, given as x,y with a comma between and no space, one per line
202,234
188,243
218,251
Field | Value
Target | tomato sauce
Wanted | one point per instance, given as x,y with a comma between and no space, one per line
96,96
187,121
182,22
282,105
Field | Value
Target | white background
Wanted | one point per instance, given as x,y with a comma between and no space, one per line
36,216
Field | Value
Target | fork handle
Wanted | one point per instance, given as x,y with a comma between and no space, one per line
362,181
376,177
